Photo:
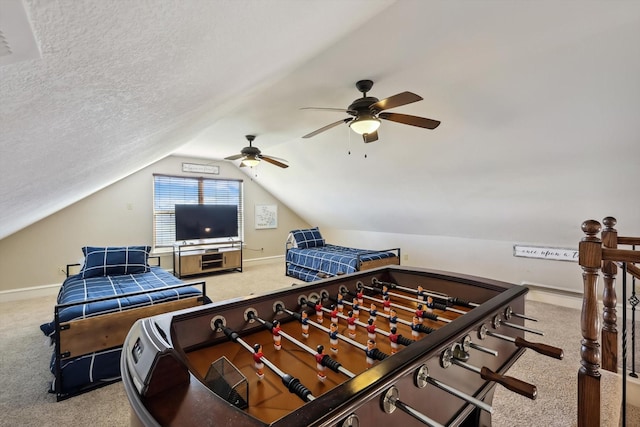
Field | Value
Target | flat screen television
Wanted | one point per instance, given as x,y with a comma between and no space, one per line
198,222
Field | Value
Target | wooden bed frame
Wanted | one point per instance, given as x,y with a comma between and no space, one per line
595,254
102,332
375,263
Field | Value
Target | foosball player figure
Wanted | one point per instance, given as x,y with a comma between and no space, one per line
369,352
385,291
415,328
419,312
257,360
304,320
355,307
373,312
351,324
393,340
319,366
386,304
334,314
393,318
421,294
429,304
340,303
275,331
319,311
360,296
371,330
333,337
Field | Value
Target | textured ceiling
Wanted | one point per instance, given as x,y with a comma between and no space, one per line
538,103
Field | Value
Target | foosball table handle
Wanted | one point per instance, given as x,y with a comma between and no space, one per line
518,386
545,349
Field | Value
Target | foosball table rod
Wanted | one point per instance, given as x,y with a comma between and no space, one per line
390,402
425,315
326,360
523,388
497,321
544,349
377,354
437,306
293,384
438,296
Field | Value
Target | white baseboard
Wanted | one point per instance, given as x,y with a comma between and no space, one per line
566,298
555,299
264,260
633,391
553,295
28,293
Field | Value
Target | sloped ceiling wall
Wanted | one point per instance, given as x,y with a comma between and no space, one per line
538,103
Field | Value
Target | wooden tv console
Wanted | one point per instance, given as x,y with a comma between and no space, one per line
195,259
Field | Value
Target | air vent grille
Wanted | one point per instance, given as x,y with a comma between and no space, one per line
17,40
4,46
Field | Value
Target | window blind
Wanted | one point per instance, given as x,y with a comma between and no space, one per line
169,191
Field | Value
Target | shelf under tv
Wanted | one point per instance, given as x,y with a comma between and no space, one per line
202,258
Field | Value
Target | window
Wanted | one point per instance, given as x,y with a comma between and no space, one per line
169,191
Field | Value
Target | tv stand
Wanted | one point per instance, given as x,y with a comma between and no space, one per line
195,259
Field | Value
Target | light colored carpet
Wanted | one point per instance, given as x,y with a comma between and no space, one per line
25,354
556,380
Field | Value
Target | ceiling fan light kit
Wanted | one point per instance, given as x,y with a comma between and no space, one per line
365,124
367,112
251,161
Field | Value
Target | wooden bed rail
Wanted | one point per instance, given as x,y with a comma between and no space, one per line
595,254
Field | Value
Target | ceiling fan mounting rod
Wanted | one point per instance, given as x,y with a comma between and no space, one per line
364,86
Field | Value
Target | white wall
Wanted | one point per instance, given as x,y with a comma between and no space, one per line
486,258
121,214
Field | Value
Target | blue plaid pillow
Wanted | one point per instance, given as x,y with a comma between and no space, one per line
308,238
114,260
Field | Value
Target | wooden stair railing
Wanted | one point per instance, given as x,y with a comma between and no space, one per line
595,254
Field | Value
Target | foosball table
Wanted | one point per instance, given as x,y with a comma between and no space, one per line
372,348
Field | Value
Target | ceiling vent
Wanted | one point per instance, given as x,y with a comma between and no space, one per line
4,47
17,41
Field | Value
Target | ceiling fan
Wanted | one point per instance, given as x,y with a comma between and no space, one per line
367,112
251,156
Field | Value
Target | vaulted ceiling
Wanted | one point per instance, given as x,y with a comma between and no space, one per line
538,102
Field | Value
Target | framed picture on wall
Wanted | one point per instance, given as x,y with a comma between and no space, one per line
266,216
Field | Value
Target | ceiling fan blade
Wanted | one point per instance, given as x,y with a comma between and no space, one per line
341,110
410,120
273,161
273,157
327,127
370,137
234,157
398,100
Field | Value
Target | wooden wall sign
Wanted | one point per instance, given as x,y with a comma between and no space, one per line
194,167
542,252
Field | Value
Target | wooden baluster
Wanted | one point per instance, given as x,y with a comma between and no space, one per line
609,325
590,259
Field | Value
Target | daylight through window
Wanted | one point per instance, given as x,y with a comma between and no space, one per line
169,191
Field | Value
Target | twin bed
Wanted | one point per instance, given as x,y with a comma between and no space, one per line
117,286
95,310
309,257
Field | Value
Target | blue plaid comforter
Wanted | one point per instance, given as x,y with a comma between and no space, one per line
74,289
328,259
